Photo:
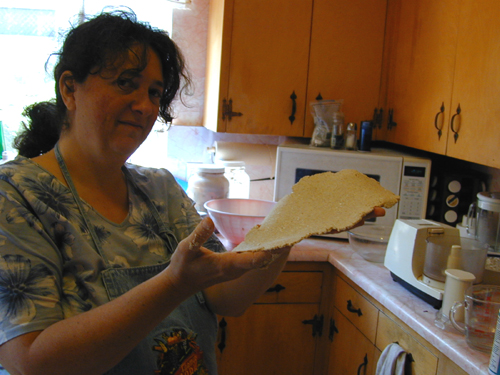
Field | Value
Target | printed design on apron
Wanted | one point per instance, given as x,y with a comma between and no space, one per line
179,354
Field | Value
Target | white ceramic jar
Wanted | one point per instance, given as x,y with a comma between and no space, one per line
207,182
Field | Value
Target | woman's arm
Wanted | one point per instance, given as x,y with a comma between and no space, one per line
232,298
95,341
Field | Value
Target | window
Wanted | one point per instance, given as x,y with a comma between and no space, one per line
30,30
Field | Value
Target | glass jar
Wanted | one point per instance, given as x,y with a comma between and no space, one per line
207,182
239,180
337,141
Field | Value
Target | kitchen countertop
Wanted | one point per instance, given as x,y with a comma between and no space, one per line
377,282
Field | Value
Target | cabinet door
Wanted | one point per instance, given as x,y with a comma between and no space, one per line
477,84
351,352
258,54
388,331
346,56
269,339
421,64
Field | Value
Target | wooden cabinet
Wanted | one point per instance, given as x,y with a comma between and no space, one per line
476,86
442,79
360,329
282,332
314,320
352,331
350,352
423,360
268,59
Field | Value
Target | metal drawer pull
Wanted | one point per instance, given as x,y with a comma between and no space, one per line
222,343
439,129
455,135
364,364
294,108
277,288
333,329
350,308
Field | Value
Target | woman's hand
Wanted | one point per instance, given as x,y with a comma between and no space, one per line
197,268
377,212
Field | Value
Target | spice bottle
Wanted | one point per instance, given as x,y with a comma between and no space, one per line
207,183
350,136
337,141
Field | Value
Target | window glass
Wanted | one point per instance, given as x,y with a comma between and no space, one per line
31,30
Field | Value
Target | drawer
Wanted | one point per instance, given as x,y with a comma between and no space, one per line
295,287
362,313
389,331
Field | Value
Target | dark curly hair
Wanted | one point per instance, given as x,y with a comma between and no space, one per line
90,48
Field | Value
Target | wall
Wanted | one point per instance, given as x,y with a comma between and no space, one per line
190,144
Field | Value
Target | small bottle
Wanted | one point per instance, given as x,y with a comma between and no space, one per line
239,180
350,136
337,141
207,183
366,136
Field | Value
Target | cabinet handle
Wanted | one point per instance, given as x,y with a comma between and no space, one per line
378,115
319,97
277,288
364,364
439,129
222,326
390,122
317,325
455,135
333,329
350,308
294,107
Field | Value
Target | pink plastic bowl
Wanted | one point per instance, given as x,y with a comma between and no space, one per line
233,218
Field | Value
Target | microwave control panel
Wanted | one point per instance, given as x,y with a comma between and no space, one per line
413,195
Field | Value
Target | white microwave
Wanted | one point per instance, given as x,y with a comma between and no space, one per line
405,175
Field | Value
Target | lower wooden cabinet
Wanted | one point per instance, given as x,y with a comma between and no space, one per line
316,321
283,332
350,352
270,339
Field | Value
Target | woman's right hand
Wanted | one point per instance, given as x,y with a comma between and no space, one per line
196,268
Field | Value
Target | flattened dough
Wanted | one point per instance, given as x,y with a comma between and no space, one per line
317,205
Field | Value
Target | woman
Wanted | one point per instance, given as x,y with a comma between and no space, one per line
103,268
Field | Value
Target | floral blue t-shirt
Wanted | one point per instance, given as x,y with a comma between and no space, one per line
49,268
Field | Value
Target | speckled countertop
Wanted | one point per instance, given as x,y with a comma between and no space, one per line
376,281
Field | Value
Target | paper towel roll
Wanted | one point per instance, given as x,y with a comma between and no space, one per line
251,154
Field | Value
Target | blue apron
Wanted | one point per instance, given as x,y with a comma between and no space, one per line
184,342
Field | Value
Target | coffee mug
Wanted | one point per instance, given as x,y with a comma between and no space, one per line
481,304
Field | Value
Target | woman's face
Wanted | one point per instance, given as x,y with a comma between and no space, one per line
114,111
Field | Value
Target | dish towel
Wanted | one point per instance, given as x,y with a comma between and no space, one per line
392,361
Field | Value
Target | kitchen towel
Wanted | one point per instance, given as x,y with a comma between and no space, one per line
392,361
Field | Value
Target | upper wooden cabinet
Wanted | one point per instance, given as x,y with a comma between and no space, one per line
442,77
268,59
476,87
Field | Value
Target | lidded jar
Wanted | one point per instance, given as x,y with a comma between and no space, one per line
207,182
239,180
